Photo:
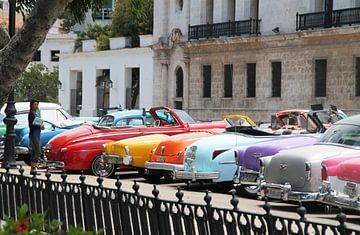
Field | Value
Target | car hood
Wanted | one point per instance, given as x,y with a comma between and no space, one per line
136,145
71,136
350,170
250,158
177,143
206,146
289,166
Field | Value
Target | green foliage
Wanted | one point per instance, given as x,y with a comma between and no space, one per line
36,224
94,31
38,83
102,42
76,9
132,18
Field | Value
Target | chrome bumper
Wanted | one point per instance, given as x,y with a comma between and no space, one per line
195,176
339,199
19,150
342,201
284,192
163,166
112,159
248,178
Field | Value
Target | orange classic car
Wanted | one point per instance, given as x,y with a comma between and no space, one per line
169,154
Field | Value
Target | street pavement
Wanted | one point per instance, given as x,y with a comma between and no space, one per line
195,194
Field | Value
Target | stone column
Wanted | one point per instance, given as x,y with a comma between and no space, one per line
89,93
165,82
186,84
161,18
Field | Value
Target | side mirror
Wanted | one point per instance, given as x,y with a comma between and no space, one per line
53,127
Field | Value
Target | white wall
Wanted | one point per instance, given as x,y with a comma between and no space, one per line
280,13
115,60
63,43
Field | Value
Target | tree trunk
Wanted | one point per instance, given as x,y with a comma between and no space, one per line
17,54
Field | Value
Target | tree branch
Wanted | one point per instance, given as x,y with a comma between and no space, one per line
4,37
17,54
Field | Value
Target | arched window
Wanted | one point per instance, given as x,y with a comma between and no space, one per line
179,82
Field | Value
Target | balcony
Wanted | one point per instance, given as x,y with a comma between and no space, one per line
104,14
328,19
228,29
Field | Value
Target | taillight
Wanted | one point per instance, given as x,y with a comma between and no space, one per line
218,152
308,170
324,173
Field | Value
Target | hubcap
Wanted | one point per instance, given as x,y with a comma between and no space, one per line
102,169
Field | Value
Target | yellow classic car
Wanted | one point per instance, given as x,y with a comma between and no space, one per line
131,152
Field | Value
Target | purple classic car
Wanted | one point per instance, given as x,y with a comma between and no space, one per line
251,159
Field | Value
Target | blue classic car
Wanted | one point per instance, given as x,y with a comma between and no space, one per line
211,159
120,118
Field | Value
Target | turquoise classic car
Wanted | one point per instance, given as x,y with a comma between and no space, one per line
211,159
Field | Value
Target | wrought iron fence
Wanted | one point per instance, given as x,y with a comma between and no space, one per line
326,19
95,207
229,29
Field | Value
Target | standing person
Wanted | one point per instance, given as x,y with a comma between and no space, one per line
35,126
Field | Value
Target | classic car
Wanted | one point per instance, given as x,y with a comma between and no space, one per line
211,159
121,118
248,173
295,174
341,182
169,154
81,148
247,159
297,121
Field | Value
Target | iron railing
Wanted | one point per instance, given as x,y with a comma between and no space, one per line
116,211
327,19
228,29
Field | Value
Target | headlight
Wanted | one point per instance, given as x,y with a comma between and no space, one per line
104,149
191,153
47,146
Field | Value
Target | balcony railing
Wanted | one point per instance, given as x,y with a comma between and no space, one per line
104,14
228,29
328,19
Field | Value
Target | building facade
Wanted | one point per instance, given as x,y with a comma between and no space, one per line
215,57
96,80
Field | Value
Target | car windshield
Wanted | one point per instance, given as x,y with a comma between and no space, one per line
327,117
184,116
107,120
237,121
342,134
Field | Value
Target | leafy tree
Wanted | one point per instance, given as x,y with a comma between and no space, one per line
132,18
17,52
38,83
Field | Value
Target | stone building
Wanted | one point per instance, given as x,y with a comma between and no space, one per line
215,57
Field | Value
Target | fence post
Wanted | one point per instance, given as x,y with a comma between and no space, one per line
83,195
268,217
341,217
209,211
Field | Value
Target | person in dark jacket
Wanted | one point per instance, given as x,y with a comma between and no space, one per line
35,126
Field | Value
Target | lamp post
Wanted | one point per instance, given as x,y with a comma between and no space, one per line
10,111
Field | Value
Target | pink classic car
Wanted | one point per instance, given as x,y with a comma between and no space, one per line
341,182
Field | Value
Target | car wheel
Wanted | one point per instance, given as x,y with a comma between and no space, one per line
101,169
247,191
223,187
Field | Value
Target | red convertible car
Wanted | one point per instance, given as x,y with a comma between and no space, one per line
81,148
